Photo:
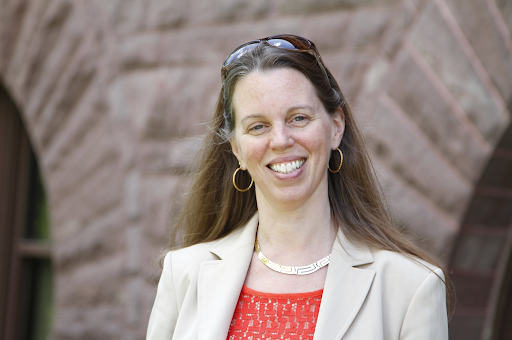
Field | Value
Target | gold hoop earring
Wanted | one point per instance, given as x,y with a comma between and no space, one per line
236,186
341,162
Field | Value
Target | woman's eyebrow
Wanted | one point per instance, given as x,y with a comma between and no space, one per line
300,107
254,115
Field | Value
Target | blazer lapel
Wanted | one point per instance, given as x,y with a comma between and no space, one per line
220,281
345,289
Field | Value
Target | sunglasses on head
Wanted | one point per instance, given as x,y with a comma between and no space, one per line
284,41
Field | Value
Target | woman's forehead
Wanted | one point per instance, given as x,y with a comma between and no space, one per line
275,90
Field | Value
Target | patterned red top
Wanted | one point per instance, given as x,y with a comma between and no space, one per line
275,316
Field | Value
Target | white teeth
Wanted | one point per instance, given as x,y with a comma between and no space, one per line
286,168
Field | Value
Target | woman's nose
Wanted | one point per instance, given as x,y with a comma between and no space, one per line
281,138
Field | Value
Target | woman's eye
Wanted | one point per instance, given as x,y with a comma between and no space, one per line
256,128
300,120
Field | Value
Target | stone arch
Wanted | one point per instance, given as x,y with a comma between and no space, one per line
56,66
25,258
480,264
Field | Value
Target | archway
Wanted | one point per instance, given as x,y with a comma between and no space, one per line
25,248
481,263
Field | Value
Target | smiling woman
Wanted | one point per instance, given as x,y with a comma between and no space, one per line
280,124
285,233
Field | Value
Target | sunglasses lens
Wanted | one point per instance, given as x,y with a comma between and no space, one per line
290,42
239,53
281,43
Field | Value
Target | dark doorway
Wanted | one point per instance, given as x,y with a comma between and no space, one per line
26,283
481,264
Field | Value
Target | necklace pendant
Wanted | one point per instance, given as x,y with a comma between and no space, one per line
291,270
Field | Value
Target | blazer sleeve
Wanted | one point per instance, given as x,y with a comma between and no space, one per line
165,310
426,317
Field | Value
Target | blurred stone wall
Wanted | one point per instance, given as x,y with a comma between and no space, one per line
115,93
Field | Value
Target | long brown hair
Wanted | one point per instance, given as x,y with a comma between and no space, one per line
214,208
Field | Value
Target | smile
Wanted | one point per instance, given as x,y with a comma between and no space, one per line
286,168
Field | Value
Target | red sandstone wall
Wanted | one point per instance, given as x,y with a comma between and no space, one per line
114,94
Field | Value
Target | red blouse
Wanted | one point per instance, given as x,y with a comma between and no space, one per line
261,315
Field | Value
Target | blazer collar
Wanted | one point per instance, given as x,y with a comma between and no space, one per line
345,289
354,255
220,283
239,238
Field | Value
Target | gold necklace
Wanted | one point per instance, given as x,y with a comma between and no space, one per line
302,270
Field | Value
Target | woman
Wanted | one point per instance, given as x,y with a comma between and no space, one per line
284,173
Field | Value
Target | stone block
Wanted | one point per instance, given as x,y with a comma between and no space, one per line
394,139
479,27
160,198
373,77
178,13
505,8
90,111
142,50
77,243
57,63
421,101
94,151
198,45
74,322
69,93
148,294
402,17
168,157
153,262
348,70
125,16
168,14
435,42
47,39
358,29
11,18
329,31
94,282
288,7
506,139
101,192
227,11
167,103
466,327
488,210
479,252
368,26
17,66
415,215
472,290
497,173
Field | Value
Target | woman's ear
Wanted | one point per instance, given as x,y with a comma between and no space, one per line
338,124
236,152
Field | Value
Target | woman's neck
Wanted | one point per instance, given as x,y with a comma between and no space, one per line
303,234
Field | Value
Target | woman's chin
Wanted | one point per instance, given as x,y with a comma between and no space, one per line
287,198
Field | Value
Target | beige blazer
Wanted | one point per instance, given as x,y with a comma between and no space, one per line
368,294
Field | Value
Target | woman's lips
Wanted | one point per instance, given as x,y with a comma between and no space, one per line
287,167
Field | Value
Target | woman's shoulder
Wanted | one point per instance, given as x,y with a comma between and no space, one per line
185,262
395,265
